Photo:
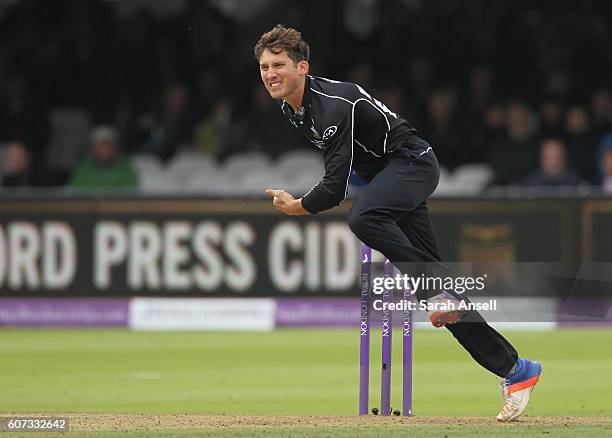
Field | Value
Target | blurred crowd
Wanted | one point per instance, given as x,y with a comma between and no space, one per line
521,86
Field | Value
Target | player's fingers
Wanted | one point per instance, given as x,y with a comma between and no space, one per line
273,193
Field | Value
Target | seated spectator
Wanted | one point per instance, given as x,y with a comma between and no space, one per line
212,133
551,118
444,131
558,84
485,131
106,166
419,72
16,165
601,112
516,152
581,144
605,163
165,130
553,170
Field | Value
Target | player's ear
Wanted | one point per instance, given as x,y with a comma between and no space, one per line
303,67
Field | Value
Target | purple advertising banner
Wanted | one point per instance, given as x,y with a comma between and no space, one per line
290,312
63,312
317,312
577,312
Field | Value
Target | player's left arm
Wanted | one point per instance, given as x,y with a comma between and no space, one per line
286,203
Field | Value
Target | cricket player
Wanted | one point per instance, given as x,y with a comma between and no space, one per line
357,133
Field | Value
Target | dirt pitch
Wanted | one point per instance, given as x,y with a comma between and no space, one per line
91,422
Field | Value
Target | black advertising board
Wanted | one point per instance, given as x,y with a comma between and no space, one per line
194,247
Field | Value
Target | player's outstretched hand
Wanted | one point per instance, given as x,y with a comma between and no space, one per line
280,199
285,202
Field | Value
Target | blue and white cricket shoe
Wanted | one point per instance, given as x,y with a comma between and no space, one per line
516,389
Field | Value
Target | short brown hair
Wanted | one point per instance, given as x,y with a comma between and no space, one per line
283,38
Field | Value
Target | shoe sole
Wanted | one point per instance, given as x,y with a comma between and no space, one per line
525,402
440,319
522,409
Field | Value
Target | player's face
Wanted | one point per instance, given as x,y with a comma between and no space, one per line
280,74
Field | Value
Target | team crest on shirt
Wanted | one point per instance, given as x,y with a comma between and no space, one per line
329,132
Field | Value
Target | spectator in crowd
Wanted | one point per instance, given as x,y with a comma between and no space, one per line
513,155
551,118
601,112
605,164
169,127
553,170
21,117
476,101
213,133
581,144
558,85
208,92
16,165
484,135
106,166
481,88
443,130
419,72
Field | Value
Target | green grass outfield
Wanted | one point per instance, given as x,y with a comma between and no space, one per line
295,373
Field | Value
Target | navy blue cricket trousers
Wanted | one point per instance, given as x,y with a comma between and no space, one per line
390,215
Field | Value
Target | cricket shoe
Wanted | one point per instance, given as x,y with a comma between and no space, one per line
444,309
516,389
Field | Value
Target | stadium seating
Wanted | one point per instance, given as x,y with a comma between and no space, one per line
249,174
